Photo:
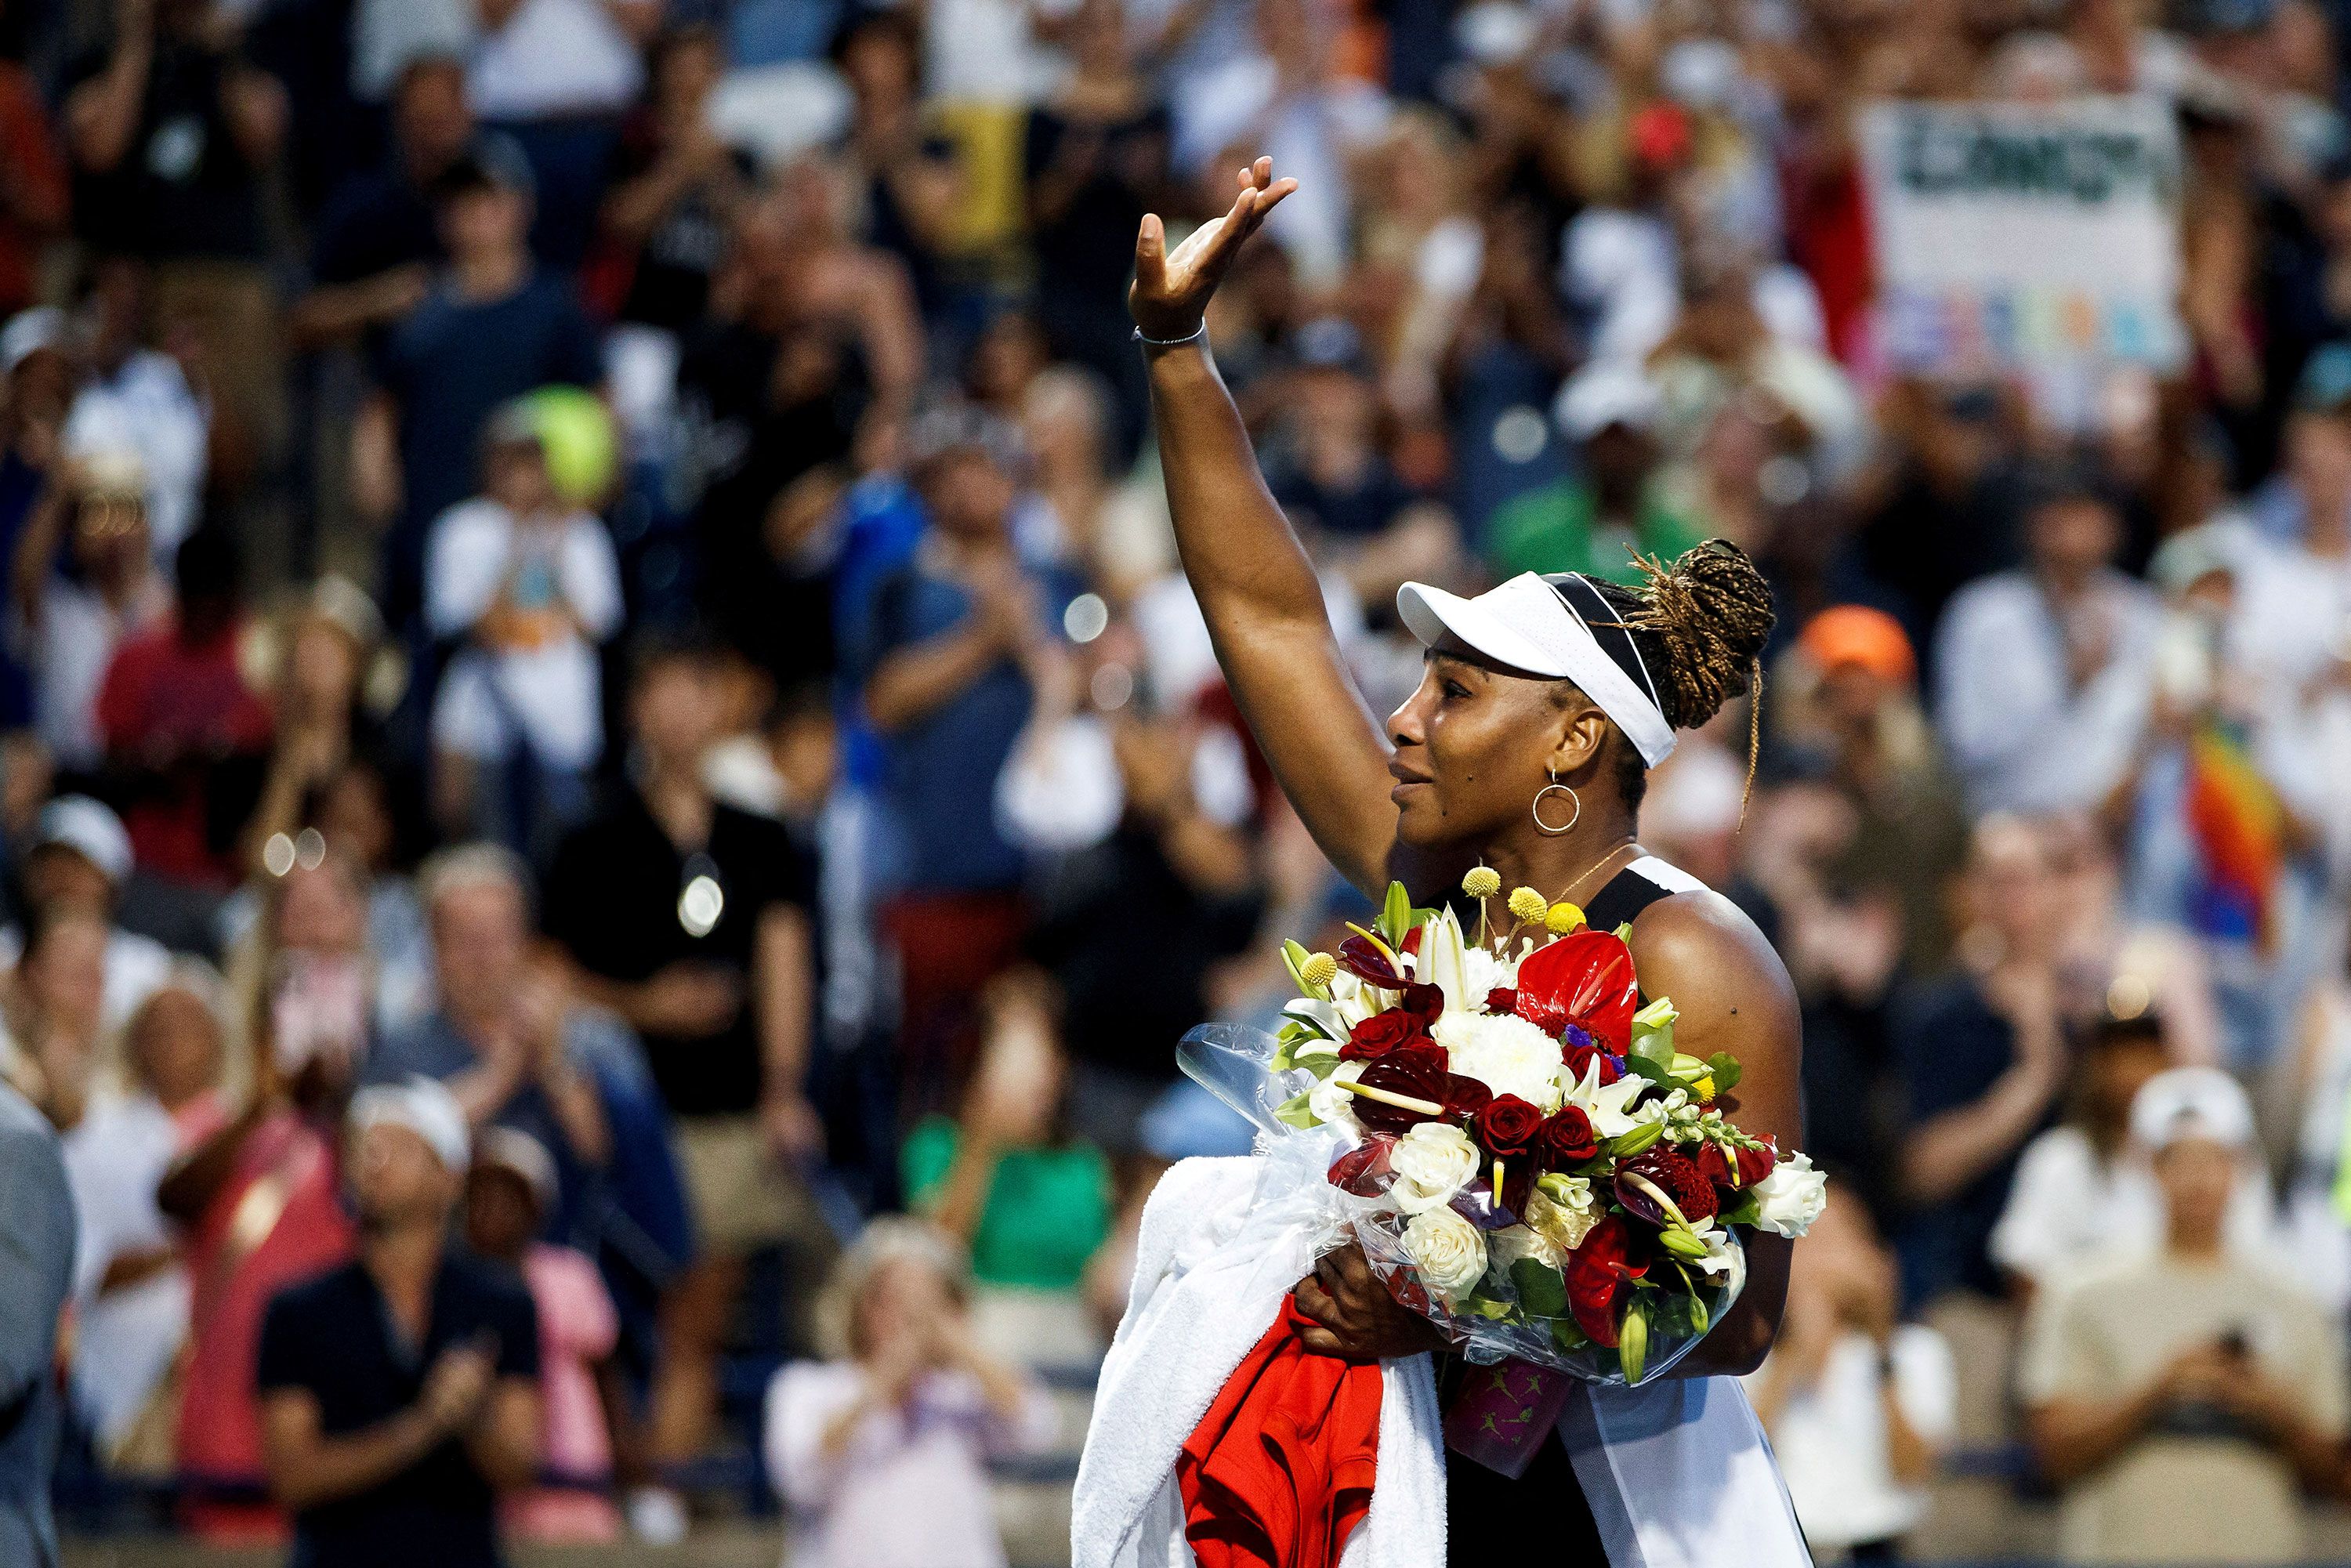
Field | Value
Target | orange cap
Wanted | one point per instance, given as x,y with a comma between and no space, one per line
1854,635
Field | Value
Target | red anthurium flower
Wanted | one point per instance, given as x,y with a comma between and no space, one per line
1464,1097
1380,1033
1599,1276
1426,1003
1360,958
1417,1072
1565,1139
1584,977
1506,1128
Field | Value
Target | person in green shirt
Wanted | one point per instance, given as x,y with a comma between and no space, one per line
1616,505
1031,1203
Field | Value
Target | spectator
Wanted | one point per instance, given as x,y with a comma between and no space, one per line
503,1035
56,1031
32,185
75,862
510,1192
1860,1406
2044,671
37,1222
72,620
131,1288
1010,1182
675,187
37,387
376,244
259,1202
2193,1372
1982,1055
399,1392
879,1448
492,328
691,919
524,586
174,133
143,400
185,736
1618,507
948,668
2083,1188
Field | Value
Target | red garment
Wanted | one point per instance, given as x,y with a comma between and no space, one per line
179,708
36,177
1279,1470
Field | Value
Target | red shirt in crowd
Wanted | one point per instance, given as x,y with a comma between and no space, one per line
173,710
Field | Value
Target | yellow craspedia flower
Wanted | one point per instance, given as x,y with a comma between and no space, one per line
1703,1090
1481,881
1320,969
1526,904
1562,918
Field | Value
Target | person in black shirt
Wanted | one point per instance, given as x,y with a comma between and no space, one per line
673,190
399,1392
690,919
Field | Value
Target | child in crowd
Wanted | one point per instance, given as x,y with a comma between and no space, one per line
880,1451
507,1192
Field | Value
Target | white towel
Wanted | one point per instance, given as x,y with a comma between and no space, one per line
1223,1241
1677,1474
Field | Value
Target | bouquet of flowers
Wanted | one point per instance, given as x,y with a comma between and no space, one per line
1526,1159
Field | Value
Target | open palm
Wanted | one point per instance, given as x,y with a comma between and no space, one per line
1170,292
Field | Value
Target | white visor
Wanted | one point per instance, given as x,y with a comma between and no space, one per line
1528,624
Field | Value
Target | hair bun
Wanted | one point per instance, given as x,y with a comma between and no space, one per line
1712,610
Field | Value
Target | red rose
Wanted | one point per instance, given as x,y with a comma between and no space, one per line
1580,1057
1565,1139
1464,1097
1501,1000
1752,1165
1506,1128
1380,1033
1416,1072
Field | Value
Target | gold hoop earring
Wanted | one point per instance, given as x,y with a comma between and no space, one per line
1569,826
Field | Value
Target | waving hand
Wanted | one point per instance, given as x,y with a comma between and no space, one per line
1170,293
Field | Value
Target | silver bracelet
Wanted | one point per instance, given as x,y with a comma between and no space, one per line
1194,336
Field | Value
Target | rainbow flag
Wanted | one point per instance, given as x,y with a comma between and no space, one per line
2239,826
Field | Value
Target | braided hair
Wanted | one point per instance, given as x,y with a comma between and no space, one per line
1700,624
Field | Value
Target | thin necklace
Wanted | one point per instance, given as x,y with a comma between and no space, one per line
1627,842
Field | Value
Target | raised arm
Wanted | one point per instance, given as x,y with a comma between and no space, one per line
1256,587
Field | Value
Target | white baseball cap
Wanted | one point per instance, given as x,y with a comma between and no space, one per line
1610,391
2191,1103
423,1106
91,829
30,332
512,1149
1558,627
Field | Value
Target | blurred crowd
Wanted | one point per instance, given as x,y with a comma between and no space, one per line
598,712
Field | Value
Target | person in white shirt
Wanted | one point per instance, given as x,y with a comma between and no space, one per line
2044,673
528,585
139,400
68,624
880,1452
2084,1188
76,861
535,60
1859,1404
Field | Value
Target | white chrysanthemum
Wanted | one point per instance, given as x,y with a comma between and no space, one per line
1449,1252
1508,1055
1432,1161
1485,972
1332,1103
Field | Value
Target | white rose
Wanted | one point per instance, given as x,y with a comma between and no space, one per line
1506,1054
1791,1196
1432,1162
1449,1252
1510,1244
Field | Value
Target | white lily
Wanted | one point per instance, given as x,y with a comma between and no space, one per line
1323,1017
1604,1104
1442,963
